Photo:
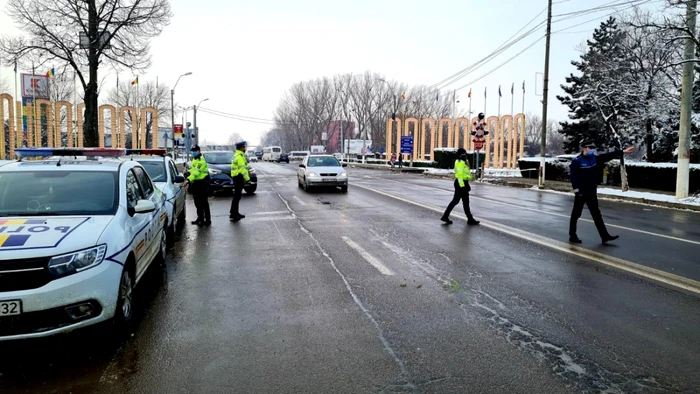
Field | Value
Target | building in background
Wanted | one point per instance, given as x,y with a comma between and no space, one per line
333,142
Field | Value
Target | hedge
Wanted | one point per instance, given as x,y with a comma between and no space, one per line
445,158
652,176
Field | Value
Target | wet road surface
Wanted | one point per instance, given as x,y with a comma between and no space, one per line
324,292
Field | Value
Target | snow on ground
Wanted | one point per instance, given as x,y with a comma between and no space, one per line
438,171
489,172
695,200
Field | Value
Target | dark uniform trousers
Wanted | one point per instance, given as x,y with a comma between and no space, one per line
201,199
461,193
591,200
238,182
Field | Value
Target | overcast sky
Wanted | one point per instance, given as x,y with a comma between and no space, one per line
245,54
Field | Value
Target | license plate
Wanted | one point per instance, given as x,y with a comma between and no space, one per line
9,308
329,179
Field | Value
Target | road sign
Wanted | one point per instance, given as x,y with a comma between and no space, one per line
407,144
36,86
178,131
324,136
478,143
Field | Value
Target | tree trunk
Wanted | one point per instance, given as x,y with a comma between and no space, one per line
90,135
649,142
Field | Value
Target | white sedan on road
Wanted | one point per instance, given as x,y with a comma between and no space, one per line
76,236
164,174
322,170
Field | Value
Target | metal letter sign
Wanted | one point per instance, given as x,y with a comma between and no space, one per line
407,144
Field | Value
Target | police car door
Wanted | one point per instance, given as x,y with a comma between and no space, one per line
138,223
157,218
179,195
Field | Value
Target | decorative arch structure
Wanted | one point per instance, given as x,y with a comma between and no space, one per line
154,126
506,135
416,132
519,123
101,125
59,105
424,126
11,123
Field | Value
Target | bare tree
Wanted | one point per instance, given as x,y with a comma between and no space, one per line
4,86
148,94
234,138
85,34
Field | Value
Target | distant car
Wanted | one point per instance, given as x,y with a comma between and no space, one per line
322,170
283,158
219,163
166,177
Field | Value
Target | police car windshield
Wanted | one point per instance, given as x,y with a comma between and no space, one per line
36,193
218,157
155,170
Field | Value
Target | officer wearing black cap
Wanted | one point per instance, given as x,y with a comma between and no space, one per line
585,173
198,182
240,175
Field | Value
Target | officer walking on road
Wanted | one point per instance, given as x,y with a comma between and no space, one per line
239,173
462,177
198,184
585,171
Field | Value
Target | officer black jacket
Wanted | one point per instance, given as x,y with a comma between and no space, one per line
586,170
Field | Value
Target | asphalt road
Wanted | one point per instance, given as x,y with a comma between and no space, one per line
326,292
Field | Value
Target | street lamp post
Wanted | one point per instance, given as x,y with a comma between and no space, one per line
172,109
196,132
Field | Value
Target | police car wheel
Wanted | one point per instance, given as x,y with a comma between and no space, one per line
163,246
125,302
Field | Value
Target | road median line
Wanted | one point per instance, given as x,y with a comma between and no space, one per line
615,262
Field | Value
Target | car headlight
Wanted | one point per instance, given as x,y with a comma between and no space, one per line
214,172
311,174
71,263
343,174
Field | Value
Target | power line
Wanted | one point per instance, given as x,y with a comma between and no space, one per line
236,117
509,43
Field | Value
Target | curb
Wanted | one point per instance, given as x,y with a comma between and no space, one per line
522,185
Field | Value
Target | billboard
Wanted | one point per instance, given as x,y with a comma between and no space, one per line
36,86
318,149
354,147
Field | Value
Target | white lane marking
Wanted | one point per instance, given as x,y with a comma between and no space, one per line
559,214
297,199
368,257
387,345
624,265
270,213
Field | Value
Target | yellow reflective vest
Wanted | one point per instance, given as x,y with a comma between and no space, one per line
239,165
462,172
199,169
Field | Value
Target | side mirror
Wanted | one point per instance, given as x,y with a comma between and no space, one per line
302,166
344,164
179,179
144,206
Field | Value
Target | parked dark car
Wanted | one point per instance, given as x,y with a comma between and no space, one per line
219,163
284,157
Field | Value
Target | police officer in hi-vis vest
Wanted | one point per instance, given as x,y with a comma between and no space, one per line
240,175
198,185
462,177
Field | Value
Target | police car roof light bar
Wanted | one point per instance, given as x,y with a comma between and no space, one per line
88,152
158,152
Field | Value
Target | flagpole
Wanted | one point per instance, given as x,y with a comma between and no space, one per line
19,116
487,150
511,133
74,126
522,135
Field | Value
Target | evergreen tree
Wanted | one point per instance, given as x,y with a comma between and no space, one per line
597,98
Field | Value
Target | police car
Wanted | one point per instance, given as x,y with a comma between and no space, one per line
76,236
164,174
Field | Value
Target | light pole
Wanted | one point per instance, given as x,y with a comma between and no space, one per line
196,132
172,109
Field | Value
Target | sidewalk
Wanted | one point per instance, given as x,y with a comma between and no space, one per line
638,196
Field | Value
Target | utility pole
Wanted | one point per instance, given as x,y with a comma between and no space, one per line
545,93
342,141
196,132
683,172
172,118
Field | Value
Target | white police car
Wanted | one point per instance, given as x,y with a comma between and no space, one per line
76,236
164,174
